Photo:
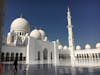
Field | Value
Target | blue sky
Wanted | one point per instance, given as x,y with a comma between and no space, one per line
50,15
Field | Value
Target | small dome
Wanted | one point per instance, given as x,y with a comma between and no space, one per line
65,47
20,24
42,34
87,46
60,47
36,34
98,45
78,47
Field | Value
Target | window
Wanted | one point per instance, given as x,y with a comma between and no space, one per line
12,56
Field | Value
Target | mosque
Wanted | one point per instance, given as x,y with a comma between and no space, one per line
35,48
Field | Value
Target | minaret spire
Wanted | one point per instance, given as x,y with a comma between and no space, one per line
70,32
69,16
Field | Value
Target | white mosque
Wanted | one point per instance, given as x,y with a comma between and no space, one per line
35,48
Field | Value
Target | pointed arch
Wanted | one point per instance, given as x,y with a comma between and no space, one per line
45,54
12,56
7,56
38,55
2,56
16,56
21,56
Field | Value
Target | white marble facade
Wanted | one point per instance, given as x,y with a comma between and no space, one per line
35,48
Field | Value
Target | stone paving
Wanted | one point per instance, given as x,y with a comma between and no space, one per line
33,70
49,70
9,70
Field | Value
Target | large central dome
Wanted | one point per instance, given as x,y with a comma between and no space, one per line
20,24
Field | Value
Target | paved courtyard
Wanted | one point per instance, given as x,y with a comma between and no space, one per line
49,70
33,70
8,69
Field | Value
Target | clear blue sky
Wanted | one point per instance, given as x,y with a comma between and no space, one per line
50,15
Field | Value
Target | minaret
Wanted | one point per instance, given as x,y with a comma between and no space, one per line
70,37
70,32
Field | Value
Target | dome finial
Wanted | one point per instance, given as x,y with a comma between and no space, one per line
35,27
40,28
21,15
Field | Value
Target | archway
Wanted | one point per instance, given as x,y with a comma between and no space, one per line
38,56
2,56
45,54
12,56
7,56
51,56
21,56
16,56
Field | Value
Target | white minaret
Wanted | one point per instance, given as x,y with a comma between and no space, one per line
70,32
70,37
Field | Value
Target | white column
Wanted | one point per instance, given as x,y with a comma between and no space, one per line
94,58
55,54
48,57
90,58
27,53
81,55
83,59
41,57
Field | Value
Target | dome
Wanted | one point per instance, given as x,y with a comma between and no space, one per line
42,34
65,47
78,47
60,47
87,46
36,34
20,24
98,45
